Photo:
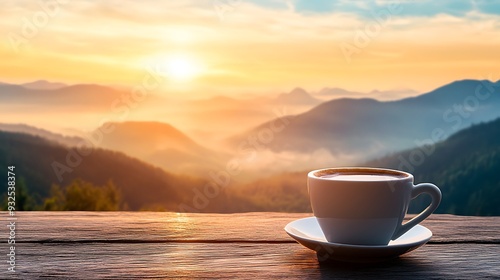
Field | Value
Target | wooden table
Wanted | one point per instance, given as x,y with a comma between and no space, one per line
143,245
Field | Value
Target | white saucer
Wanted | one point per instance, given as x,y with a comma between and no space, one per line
308,233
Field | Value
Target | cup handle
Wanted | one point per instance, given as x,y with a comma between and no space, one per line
417,190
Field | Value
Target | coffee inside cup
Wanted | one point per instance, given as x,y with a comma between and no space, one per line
361,177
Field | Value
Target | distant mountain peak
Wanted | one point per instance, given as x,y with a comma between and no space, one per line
453,92
465,82
297,96
298,91
157,132
43,85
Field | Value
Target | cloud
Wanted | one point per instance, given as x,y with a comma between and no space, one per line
257,43
426,8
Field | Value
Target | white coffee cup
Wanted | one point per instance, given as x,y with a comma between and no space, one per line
366,206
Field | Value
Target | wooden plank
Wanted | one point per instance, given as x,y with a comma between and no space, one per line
161,227
247,261
132,245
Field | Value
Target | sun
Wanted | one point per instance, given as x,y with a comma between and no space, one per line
181,68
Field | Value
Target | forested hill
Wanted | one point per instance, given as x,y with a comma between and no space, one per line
141,184
466,167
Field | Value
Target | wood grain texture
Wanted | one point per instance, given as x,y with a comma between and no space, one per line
142,245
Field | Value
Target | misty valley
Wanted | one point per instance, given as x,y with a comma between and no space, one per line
94,147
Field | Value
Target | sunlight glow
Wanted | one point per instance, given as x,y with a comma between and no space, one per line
181,68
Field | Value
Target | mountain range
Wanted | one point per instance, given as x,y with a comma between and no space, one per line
51,105
141,184
89,97
465,167
40,163
367,128
343,131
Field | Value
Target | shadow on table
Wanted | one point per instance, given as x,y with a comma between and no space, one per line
412,266
398,268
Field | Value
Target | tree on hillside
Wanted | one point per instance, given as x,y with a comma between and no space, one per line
84,196
23,200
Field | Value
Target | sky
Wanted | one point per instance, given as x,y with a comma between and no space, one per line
202,47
